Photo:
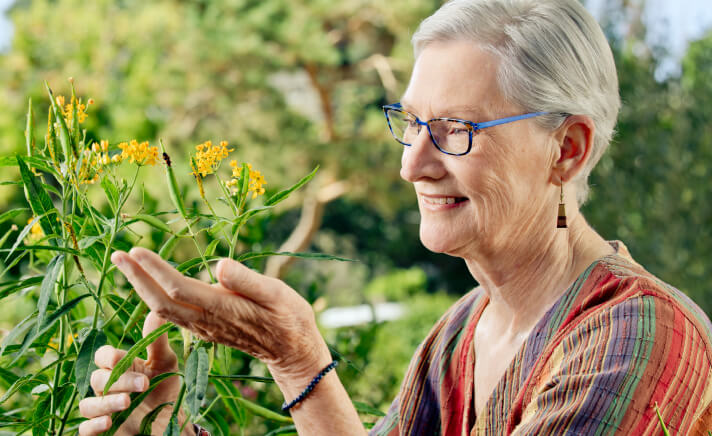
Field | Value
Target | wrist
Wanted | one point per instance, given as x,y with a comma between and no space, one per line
292,377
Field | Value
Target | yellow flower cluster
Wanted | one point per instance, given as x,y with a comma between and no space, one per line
67,109
255,183
208,157
141,154
93,161
36,233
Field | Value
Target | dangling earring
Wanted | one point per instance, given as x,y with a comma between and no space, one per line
561,219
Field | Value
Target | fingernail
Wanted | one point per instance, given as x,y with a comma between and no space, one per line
139,383
116,258
120,403
106,423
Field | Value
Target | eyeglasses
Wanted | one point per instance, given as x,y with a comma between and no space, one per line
450,135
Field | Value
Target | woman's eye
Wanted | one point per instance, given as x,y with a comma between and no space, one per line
412,124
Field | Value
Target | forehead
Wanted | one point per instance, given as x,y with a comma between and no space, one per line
451,78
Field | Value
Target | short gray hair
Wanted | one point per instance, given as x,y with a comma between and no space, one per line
553,57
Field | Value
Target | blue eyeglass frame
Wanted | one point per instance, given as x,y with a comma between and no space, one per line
473,126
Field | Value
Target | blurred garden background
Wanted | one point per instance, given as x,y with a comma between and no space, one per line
292,84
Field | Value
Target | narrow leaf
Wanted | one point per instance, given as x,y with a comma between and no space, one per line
53,269
23,234
317,256
173,429
281,195
196,380
11,214
64,138
210,249
258,410
18,331
112,194
153,222
138,348
9,288
147,421
365,408
29,129
40,330
118,418
84,365
189,264
228,392
38,199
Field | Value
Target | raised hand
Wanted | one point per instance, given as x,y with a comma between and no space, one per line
161,359
246,310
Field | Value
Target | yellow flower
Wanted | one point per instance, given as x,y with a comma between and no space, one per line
93,161
208,157
36,233
67,109
141,154
254,185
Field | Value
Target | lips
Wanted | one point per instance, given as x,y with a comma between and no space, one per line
442,200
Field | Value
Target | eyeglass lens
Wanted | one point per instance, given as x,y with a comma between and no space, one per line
449,136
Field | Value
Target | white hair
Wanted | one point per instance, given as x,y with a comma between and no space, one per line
553,58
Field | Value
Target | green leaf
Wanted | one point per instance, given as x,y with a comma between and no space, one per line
660,418
39,200
317,256
189,264
39,330
173,429
258,410
41,415
112,194
365,408
21,383
147,421
210,249
285,431
64,138
50,279
196,380
11,214
153,222
40,164
125,362
253,378
218,421
84,365
7,378
282,195
8,160
118,418
227,393
29,129
71,251
88,241
9,288
18,331
23,234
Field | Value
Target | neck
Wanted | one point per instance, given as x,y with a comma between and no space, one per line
524,278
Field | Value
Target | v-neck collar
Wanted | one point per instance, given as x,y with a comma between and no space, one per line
470,417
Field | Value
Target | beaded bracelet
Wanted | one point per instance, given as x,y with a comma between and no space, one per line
310,387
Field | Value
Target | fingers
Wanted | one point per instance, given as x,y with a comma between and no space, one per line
151,292
107,356
92,407
159,352
238,278
127,382
178,287
94,426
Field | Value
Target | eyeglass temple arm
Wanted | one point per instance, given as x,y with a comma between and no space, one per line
482,125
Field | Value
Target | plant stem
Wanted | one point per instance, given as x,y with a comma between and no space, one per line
67,410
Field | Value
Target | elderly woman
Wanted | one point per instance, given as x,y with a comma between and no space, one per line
510,105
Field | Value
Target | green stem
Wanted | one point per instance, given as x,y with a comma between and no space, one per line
65,417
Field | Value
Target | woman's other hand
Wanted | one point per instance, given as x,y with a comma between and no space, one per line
246,310
161,359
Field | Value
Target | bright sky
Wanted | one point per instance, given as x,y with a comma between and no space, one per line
671,24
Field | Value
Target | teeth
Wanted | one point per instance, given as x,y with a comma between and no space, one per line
440,200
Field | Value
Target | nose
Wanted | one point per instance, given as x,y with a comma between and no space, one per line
422,160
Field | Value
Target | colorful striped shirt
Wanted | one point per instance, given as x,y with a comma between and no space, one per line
615,344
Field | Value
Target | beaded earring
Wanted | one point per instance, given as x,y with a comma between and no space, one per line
561,219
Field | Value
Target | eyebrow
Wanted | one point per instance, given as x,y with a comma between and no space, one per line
453,112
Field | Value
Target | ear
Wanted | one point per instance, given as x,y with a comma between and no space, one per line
575,141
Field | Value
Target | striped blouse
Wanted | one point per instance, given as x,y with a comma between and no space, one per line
616,343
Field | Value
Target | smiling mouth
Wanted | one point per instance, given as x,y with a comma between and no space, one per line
443,200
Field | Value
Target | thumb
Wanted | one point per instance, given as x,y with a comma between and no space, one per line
248,283
160,354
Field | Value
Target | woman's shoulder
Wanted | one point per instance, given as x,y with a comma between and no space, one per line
624,287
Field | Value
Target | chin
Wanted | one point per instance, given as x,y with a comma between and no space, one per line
438,239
